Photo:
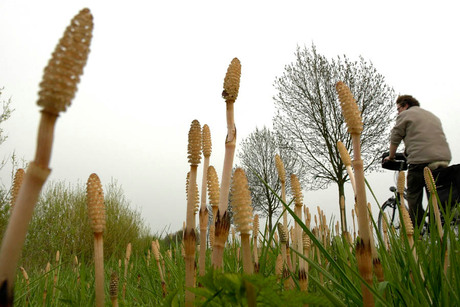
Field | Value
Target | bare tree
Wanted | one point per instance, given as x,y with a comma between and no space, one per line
257,156
309,114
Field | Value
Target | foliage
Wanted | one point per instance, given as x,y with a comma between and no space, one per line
60,222
256,154
5,114
310,119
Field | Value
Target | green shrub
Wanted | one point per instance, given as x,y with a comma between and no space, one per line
60,222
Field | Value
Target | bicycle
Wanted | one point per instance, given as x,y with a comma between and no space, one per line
448,192
390,206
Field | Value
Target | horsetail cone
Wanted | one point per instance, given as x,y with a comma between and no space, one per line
113,288
401,182
156,251
61,76
213,187
232,81
282,233
280,168
195,196
429,180
17,181
95,202
350,109
241,202
255,230
296,190
344,155
194,143
407,221
207,144
306,241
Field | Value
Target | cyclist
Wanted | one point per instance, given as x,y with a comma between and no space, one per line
425,145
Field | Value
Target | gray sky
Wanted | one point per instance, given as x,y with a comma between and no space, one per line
155,66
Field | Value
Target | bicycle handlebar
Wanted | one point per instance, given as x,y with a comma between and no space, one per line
398,164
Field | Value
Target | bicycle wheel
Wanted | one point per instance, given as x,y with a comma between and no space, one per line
390,209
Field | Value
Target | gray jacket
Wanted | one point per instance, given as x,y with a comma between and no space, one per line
423,136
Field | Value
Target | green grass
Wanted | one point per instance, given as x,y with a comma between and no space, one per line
333,273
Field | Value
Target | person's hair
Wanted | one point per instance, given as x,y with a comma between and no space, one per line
404,100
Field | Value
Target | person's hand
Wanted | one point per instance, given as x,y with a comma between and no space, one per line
388,158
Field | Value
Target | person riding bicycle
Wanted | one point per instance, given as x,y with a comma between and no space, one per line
425,145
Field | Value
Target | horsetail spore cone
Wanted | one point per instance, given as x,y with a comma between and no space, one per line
213,190
232,81
194,143
280,168
350,109
61,76
113,289
17,182
95,202
207,144
431,186
58,87
96,213
241,204
282,176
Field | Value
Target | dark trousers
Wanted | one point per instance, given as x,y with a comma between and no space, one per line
415,187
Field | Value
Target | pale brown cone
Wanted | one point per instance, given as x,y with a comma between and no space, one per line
241,202
280,168
344,155
213,186
194,143
95,202
296,191
62,74
207,144
350,110
17,181
232,81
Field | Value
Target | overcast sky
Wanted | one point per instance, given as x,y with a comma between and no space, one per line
155,66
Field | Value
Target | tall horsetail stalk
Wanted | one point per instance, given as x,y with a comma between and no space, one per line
298,201
156,255
207,149
352,117
282,177
346,159
255,234
405,214
57,89
431,186
96,213
194,158
222,225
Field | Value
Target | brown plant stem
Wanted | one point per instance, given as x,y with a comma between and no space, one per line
222,228
365,270
248,266
365,251
99,268
203,232
16,231
189,242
